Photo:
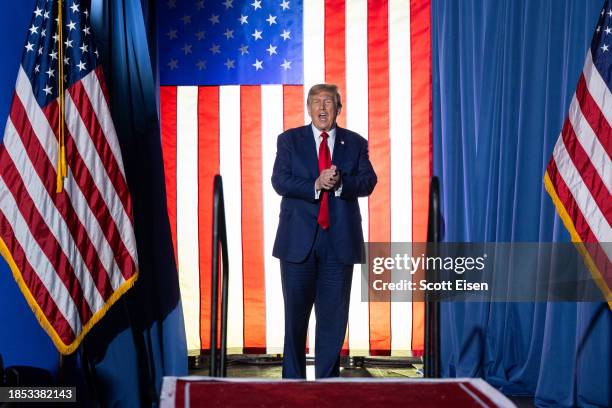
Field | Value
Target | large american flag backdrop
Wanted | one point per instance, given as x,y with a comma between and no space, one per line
234,76
71,249
579,174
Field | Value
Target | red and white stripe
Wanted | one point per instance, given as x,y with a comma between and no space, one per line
579,174
581,169
73,253
379,55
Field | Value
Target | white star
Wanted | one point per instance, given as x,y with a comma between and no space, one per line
286,65
171,4
186,49
46,15
74,7
201,65
55,37
37,68
50,72
258,64
214,19
228,4
244,49
199,5
257,35
172,34
272,49
84,48
33,29
605,48
229,34
243,19
186,19
609,12
38,12
66,60
215,49
285,5
86,13
271,19
229,63
200,35
286,35
40,51
86,30
29,47
173,64
43,33
71,26
53,55
608,30
81,65
47,90
256,4
68,43
96,52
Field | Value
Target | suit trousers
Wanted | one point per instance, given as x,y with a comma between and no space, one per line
320,280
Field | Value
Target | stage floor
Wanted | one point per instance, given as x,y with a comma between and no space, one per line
243,366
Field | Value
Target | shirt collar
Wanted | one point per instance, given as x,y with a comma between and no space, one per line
317,133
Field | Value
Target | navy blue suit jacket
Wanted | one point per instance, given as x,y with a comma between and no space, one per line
295,171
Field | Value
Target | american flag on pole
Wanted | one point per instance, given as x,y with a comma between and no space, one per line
69,240
235,74
579,174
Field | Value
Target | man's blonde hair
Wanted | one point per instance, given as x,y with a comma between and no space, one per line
331,88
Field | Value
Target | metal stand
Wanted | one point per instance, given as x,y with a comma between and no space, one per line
218,363
432,305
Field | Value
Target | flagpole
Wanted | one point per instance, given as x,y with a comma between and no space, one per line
89,371
61,152
60,369
60,124
147,389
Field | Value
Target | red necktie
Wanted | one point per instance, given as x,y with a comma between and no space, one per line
324,163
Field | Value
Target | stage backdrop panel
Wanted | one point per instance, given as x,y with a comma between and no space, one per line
234,76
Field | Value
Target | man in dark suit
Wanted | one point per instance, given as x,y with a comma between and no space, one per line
320,170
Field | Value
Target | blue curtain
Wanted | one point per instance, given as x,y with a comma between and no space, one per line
504,72
144,339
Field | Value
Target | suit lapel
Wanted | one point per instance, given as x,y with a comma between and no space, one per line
339,147
309,151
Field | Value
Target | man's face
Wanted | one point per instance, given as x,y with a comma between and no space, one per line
322,110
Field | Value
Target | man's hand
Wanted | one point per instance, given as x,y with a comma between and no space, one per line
328,179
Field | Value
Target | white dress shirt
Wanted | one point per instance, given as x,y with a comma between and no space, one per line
331,139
